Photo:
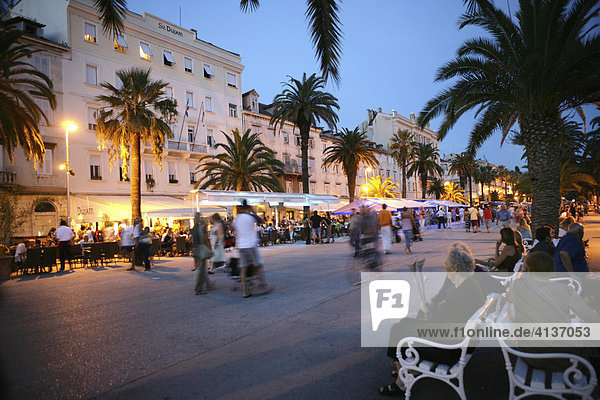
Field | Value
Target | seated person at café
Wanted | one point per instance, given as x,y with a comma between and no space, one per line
534,298
506,259
460,302
543,241
167,240
525,230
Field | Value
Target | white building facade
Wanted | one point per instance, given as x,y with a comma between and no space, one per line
203,78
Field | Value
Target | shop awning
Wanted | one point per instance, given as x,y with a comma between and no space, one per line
87,209
225,198
445,203
374,204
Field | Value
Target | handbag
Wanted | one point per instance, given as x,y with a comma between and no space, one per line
205,252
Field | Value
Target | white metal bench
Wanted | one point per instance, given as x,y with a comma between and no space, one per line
578,379
413,368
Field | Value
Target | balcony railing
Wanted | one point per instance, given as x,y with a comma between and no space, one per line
175,145
185,146
8,177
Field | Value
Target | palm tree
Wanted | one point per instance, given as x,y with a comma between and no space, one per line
325,30
436,188
484,175
376,187
19,81
529,70
349,150
453,193
136,112
303,103
503,173
401,148
425,164
463,166
245,164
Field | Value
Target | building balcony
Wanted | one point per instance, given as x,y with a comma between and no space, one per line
8,178
174,147
293,169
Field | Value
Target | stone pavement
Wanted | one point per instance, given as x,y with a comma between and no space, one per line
111,334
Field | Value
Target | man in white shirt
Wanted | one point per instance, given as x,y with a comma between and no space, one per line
246,241
64,235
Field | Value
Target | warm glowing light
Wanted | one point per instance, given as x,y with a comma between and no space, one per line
70,126
446,183
368,169
62,167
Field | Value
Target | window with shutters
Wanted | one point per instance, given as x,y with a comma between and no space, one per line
95,172
169,92
210,137
148,170
92,114
118,82
172,173
189,99
208,104
119,43
187,65
44,105
91,74
208,73
89,32
46,168
192,174
231,80
190,133
42,64
168,59
145,51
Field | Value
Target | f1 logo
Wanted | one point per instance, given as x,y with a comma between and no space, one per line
389,300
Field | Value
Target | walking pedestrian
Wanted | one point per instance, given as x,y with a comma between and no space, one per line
487,216
315,227
247,245
144,243
64,235
407,228
354,229
441,218
201,251
217,243
385,224
474,218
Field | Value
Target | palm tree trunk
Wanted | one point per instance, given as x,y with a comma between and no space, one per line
404,179
470,190
304,131
136,203
351,184
540,138
423,185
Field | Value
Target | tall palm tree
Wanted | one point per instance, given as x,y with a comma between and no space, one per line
304,103
436,188
484,175
453,193
401,148
463,165
324,25
136,112
349,150
530,69
425,164
245,164
19,81
376,187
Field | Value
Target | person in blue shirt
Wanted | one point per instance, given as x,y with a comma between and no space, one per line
570,252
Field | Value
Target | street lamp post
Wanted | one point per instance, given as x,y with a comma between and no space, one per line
69,126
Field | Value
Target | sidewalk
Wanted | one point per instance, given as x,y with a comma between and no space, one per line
592,233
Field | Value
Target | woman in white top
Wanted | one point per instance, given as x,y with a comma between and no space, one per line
217,241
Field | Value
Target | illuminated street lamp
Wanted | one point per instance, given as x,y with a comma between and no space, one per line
69,126
368,169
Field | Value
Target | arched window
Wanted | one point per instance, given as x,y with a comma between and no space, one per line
44,218
45,207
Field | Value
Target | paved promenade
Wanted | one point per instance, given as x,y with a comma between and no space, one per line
111,334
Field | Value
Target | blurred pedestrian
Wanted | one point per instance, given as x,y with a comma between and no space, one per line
201,252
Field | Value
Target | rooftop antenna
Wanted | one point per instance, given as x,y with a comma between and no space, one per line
179,15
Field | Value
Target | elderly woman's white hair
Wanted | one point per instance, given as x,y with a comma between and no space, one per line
460,257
